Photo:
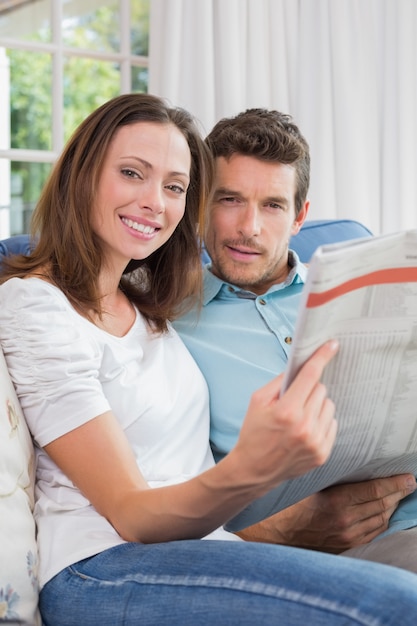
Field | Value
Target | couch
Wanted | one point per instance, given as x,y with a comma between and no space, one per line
18,557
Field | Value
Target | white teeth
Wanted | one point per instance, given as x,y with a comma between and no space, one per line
147,230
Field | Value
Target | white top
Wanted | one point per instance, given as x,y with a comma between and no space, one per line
67,371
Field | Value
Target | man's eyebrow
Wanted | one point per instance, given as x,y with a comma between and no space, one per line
149,166
224,191
278,200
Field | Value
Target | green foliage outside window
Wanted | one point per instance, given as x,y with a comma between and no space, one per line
87,83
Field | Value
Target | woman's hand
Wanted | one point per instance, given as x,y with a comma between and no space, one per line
287,435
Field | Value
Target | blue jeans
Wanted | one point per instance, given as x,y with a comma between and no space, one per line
222,583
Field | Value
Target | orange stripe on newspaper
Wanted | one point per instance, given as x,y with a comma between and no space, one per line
380,277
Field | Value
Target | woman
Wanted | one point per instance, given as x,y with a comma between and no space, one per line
118,411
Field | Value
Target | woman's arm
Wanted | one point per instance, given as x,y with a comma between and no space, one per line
281,437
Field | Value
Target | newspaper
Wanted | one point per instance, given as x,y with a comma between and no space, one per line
364,293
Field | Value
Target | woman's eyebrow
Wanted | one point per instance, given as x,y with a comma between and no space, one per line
149,166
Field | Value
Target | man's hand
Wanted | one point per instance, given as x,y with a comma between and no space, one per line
337,518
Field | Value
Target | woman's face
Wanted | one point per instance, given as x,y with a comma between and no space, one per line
141,191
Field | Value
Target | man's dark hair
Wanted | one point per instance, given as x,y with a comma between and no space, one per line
267,135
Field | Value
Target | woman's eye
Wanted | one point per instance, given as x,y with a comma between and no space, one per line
129,173
176,188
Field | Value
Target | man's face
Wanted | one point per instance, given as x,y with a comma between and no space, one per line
251,220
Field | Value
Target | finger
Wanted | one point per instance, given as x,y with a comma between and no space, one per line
375,510
331,434
307,377
312,370
398,486
376,489
328,425
382,507
318,421
368,528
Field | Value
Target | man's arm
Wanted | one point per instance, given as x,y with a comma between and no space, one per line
337,518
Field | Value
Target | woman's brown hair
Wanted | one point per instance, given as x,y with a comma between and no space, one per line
61,224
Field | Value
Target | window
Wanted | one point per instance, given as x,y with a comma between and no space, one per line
59,60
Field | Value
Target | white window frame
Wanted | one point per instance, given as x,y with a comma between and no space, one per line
58,52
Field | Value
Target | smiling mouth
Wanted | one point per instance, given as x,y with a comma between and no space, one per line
141,228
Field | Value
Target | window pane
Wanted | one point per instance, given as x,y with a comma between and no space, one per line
28,21
92,25
139,79
4,198
26,182
139,30
88,83
30,100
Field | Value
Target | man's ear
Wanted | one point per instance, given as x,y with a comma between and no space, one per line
300,219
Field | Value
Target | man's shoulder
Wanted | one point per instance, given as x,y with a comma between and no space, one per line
211,285
192,320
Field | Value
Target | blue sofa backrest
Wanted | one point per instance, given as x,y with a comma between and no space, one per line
19,244
315,233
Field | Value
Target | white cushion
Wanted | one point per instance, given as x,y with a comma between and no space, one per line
18,551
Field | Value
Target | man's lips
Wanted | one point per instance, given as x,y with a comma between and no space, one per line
242,252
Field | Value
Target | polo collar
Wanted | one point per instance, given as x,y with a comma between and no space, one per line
213,284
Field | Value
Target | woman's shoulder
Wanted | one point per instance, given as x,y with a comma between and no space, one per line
37,320
31,292
32,302
29,284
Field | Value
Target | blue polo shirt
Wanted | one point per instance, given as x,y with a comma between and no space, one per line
242,347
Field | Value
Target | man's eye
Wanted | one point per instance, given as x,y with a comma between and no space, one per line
228,199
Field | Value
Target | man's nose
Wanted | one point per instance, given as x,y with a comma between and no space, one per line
250,223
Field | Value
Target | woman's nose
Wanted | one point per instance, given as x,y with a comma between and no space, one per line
152,198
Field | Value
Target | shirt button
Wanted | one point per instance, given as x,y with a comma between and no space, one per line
262,301
288,340
231,289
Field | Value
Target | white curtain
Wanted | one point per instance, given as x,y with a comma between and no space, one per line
346,70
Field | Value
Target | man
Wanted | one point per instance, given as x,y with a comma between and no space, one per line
242,336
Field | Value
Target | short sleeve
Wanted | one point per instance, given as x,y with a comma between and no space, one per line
53,358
